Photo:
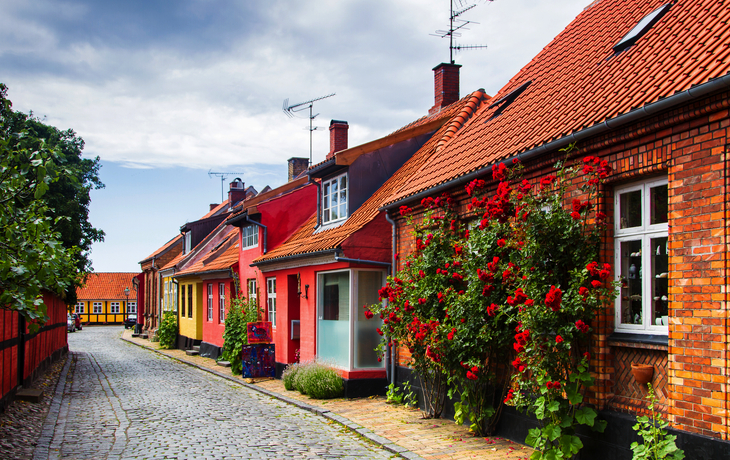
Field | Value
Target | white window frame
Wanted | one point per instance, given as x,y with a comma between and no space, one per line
222,303
352,310
249,237
210,302
251,289
328,194
115,308
98,308
644,233
187,242
132,307
271,300
80,306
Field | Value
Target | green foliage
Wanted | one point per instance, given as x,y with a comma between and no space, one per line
167,332
657,443
67,195
241,312
289,376
33,256
315,379
522,285
401,395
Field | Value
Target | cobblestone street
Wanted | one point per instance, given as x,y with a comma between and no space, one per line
119,401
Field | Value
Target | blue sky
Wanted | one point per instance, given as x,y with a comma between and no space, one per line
163,91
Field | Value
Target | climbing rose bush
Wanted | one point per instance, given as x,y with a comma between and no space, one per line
501,310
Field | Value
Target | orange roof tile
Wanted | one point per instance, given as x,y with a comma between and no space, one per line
305,241
578,81
107,286
163,248
223,255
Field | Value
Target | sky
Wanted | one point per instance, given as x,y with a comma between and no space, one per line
166,92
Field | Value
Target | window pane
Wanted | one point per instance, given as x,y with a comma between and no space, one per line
326,191
631,209
334,187
631,285
659,281
334,215
366,335
659,204
333,325
343,183
326,202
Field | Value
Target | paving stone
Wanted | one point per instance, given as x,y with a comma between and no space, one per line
120,401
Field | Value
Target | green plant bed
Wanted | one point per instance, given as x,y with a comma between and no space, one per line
167,333
317,380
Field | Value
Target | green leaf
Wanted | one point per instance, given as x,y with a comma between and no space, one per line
552,432
533,436
585,416
554,406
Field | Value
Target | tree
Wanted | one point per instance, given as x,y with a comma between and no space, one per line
44,186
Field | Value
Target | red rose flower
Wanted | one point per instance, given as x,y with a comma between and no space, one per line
559,339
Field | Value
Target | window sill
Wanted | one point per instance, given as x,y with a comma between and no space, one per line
633,340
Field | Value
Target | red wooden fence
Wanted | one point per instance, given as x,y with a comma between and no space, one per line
22,355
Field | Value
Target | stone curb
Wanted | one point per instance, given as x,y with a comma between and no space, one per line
384,443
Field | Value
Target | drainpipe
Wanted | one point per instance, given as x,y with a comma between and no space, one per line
260,225
393,245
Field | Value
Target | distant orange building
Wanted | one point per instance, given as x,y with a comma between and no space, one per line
106,298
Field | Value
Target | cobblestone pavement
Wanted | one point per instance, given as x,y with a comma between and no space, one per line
115,400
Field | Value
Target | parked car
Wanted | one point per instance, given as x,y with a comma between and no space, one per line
130,321
77,319
70,323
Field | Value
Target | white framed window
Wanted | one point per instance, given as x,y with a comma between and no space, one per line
80,307
221,303
187,242
166,304
114,307
271,300
210,301
334,199
251,283
97,307
249,237
132,307
641,257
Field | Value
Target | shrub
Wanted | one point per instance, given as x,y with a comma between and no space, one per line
317,380
289,376
241,312
167,333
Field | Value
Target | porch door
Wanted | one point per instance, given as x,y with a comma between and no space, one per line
333,318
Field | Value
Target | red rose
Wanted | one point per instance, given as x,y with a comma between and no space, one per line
501,242
559,339
470,375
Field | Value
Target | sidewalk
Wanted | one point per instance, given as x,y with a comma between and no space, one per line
399,430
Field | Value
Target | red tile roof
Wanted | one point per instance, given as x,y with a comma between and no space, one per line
578,81
305,241
222,256
163,248
107,286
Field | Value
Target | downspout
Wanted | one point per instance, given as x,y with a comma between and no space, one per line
393,246
260,225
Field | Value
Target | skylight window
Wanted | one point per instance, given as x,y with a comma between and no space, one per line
506,101
641,28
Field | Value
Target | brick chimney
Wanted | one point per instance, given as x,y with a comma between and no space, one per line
236,192
213,206
296,166
446,86
338,137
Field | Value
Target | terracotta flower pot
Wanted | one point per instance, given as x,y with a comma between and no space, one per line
642,372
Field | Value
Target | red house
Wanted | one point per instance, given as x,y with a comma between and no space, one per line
265,222
339,259
642,84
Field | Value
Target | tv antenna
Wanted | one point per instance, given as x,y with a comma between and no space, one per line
289,110
455,25
223,176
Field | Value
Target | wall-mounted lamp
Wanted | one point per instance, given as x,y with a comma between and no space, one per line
306,291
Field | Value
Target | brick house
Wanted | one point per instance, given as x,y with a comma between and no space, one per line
106,298
150,286
642,84
337,261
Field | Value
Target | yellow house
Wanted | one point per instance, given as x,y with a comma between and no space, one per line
190,311
105,298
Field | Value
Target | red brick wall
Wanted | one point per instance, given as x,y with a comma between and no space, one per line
688,145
